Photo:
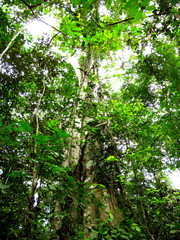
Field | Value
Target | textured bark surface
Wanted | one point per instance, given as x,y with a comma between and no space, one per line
56,222
101,203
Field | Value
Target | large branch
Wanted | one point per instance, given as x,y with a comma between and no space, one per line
31,6
131,18
125,20
37,18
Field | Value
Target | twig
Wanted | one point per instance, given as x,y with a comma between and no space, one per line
52,39
37,18
125,20
30,6
49,25
96,22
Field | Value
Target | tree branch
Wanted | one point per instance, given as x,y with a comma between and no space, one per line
36,17
52,39
131,18
49,25
125,20
9,44
30,8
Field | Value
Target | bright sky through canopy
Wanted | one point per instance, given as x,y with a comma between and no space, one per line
89,131
38,29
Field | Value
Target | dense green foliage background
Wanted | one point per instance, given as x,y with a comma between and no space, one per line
132,133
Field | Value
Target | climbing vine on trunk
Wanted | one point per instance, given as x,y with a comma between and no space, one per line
81,159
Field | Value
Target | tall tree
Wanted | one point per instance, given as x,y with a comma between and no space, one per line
79,161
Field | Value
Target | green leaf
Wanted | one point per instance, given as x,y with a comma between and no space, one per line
144,3
17,173
150,8
56,169
108,4
78,34
125,237
4,187
173,231
102,25
128,4
74,3
138,15
133,10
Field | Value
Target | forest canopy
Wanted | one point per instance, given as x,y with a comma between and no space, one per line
80,159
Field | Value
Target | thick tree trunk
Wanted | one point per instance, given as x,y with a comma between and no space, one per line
101,202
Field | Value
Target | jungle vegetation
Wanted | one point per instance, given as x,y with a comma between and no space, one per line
81,159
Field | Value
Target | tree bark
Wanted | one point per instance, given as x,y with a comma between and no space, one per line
101,203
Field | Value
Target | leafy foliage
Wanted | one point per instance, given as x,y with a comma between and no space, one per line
78,160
